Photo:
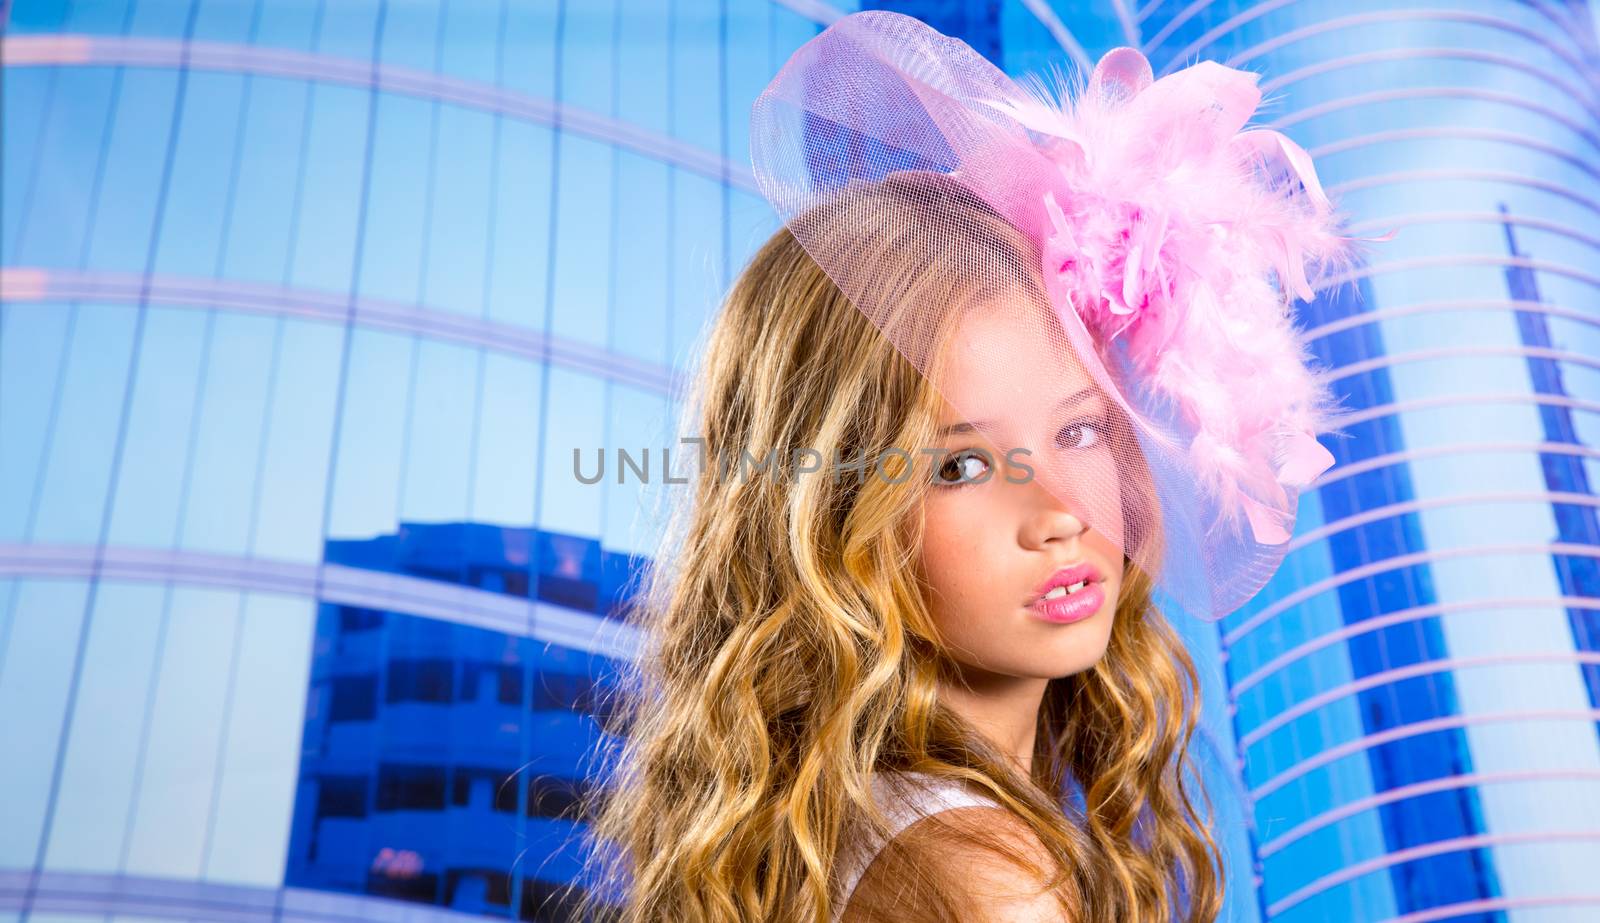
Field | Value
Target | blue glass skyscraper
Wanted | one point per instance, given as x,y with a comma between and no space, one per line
1414,694
307,308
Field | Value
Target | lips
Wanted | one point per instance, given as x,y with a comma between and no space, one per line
1066,577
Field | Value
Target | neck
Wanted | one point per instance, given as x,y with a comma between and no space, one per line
1004,709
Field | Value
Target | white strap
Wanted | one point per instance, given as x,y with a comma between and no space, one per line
906,800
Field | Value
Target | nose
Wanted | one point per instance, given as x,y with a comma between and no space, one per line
1049,520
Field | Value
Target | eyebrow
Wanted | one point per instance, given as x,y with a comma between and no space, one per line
971,427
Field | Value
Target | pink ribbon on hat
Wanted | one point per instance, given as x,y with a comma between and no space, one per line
1124,253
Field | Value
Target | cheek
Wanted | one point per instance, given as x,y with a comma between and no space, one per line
1088,484
938,550
952,548
1104,549
1106,517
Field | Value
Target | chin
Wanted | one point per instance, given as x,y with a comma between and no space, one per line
1085,652
1060,666
1081,665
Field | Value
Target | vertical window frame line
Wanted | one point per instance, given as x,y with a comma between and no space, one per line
341,389
91,595
557,91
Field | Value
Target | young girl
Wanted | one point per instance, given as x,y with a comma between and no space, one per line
901,660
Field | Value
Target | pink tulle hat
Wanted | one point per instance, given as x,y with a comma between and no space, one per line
1169,242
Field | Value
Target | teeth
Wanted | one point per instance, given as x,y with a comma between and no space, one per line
1060,591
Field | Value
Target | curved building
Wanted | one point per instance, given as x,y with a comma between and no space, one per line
1417,693
309,308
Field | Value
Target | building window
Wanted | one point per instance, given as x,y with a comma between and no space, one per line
410,788
354,698
431,680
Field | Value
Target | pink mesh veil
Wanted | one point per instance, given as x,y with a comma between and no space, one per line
1161,244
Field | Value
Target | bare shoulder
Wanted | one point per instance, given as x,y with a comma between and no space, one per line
994,885
983,883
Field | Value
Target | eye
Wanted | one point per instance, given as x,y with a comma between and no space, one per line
961,469
1082,434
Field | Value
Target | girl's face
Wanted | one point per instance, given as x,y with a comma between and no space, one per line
994,534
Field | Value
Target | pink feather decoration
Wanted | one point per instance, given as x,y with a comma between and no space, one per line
1177,218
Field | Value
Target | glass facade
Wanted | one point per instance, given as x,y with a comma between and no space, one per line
305,305
1415,694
